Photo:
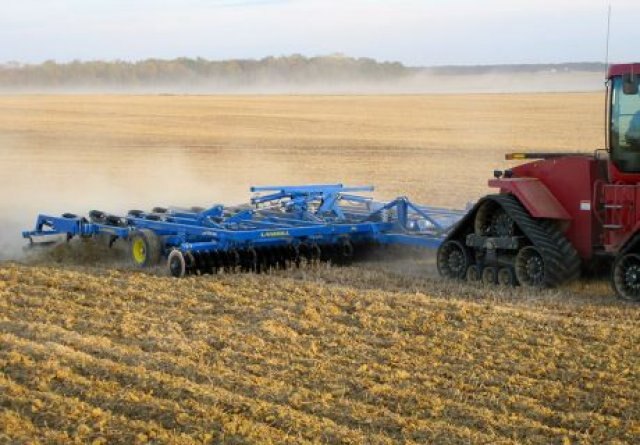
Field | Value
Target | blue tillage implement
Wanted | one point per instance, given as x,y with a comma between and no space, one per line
281,226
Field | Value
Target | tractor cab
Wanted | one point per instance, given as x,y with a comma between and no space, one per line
624,122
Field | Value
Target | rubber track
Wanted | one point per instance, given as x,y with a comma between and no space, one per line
562,262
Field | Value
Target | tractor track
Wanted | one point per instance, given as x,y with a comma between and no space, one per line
562,262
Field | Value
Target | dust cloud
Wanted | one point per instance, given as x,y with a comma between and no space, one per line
420,82
55,180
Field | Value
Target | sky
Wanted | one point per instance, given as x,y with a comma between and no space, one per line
414,32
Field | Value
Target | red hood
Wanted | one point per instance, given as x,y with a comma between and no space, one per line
623,68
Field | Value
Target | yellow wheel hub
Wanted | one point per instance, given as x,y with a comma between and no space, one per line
139,250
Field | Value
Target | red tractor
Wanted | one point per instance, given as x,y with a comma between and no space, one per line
562,213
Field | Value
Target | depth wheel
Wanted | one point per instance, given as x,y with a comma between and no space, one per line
176,264
530,268
626,277
146,248
453,260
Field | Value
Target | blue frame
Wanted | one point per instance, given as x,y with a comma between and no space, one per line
278,216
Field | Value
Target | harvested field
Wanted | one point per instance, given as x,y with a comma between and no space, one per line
213,148
381,352
118,356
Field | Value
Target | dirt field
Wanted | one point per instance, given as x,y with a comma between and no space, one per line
118,356
382,352
439,149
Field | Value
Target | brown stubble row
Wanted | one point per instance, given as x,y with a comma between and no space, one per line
119,356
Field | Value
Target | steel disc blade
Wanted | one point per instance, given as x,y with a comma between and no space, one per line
252,259
190,263
234,259
283,258
294,255
208,260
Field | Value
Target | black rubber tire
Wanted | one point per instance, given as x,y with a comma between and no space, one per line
135,213
117,221
625,277
97,216
152,247
453,260
159,210
176,264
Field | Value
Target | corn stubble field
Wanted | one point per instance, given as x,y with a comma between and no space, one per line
92,351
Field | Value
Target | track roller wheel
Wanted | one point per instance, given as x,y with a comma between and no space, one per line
506,277
176,264
489,275
625,277
473,274
530,268
453,260
146,248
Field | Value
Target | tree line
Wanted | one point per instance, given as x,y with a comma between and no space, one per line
290,70
198,71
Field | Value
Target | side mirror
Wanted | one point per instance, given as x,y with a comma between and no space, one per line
630,84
